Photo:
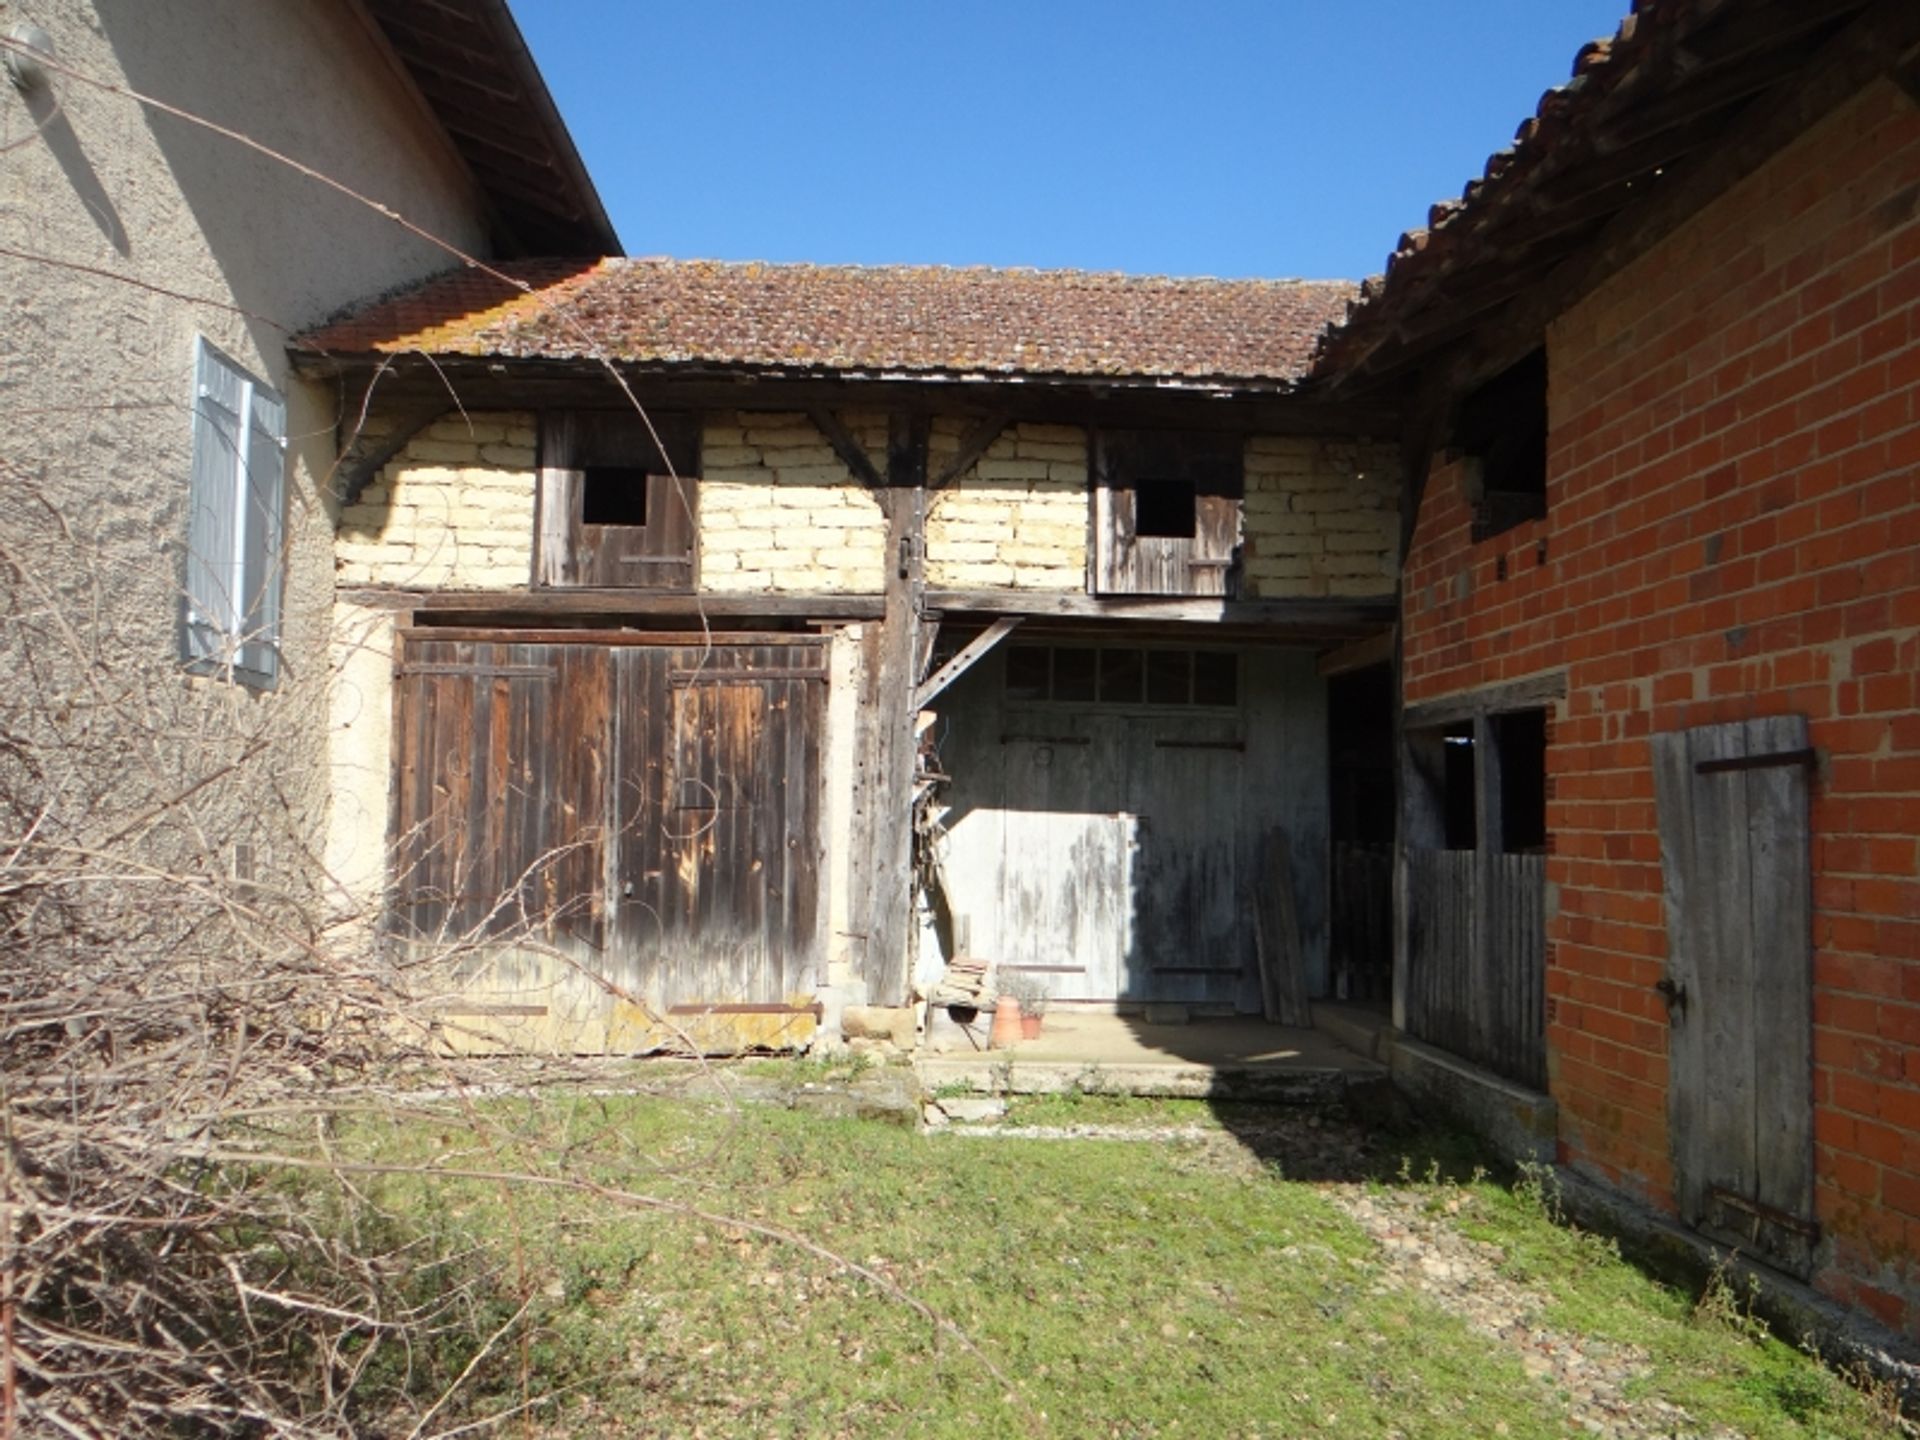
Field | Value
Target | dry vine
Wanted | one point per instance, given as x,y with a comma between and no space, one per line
180,1245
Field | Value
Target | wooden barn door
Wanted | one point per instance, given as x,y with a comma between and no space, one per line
725,870
1739,984
501,792
651,811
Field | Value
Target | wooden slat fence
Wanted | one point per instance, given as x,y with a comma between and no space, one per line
1362,936
1476,973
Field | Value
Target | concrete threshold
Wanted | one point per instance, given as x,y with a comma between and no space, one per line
1220,1059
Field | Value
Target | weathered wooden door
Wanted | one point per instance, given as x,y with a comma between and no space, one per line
613,829
1055,855
1191,917
1739,984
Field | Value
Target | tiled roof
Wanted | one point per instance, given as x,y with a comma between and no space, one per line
1663,87
920,320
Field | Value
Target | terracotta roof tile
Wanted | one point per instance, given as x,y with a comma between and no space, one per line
1573,126
899,319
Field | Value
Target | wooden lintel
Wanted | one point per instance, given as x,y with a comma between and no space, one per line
851,454
615,605
1330,618
691,639
964,660
362,456
973,445
1358,654
1528,694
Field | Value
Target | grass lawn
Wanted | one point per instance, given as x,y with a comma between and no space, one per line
1121,1288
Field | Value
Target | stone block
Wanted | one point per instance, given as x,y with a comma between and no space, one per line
989,469
972,1109
880,1022
453,451
955,552
718,456
1344,541
814,473
1050,434
1034,450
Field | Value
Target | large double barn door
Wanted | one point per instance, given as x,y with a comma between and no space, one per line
612,823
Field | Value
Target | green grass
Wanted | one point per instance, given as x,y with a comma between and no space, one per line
1124,1289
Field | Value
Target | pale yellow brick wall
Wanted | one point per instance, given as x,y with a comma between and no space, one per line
1016,520
1321,519
452,511
779,512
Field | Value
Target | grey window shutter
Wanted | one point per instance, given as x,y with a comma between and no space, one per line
236,498
265,491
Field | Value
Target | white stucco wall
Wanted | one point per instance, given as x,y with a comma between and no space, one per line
146,231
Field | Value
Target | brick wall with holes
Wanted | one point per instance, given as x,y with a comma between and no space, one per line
1732,531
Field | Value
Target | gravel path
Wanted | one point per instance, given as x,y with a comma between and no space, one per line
1422,1250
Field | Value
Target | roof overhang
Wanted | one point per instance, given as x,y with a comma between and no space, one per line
1690,97
472,67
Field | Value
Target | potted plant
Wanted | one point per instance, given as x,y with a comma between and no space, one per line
1031,992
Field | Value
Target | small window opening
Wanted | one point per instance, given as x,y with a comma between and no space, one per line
1027,671
1122,673
1522,738
1502,429
1169,677
613,495
1166,508
1458,806
1216,678
1073,672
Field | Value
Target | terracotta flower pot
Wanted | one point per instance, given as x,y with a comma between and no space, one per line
1030,1024
1006,1024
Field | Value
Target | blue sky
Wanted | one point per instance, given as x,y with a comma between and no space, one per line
1210,137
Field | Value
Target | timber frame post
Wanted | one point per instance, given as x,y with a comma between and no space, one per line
883,837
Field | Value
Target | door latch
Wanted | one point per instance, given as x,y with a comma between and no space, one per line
1673,992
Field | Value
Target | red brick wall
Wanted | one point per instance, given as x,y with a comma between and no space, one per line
1733,530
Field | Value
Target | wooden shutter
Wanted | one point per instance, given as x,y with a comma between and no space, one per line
1125,562
260,538
212,604
236,493
657,555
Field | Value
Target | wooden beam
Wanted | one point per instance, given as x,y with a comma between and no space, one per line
615,605
1330,616
364,455
851,454
964,661
1358,655
1528,694
883,840
973,445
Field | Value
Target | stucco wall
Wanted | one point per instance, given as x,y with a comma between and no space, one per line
209,239
453,510
780,512
1321,518
1018,518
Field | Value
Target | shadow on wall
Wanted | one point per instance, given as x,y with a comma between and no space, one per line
303,81
57,134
